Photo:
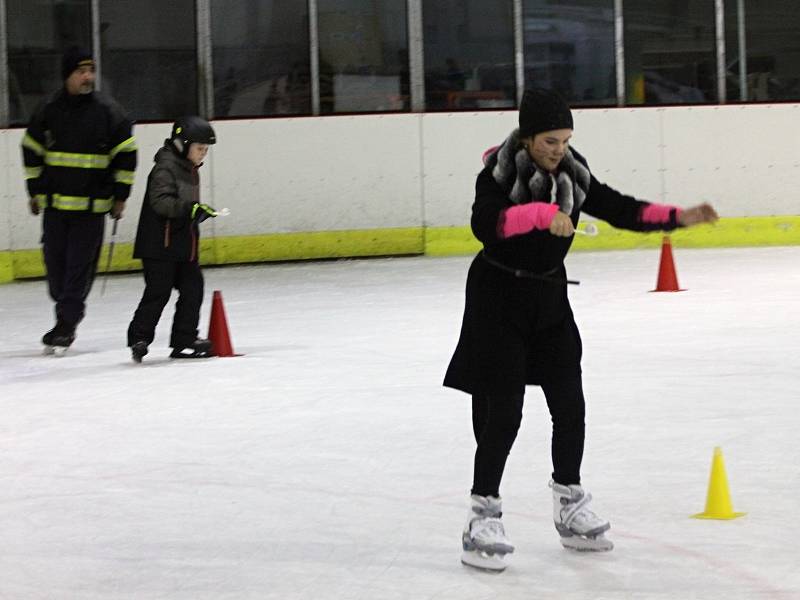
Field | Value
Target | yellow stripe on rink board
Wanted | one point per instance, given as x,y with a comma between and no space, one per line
25,264
6,267
29,264
319,244
728,232
435,241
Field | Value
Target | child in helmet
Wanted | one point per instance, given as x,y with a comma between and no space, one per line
167,241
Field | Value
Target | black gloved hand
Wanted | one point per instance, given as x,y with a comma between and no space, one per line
201,212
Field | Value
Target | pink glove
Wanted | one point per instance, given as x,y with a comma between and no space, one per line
523,218
657,214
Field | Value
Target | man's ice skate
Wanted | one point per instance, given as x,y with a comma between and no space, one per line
58,340
579,528
484,539
200,348
138,351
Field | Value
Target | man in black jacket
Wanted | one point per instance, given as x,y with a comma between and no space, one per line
80,156
167,241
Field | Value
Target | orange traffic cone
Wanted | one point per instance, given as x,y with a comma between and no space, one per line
218,328
667,277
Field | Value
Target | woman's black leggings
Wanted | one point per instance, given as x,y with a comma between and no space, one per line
496,420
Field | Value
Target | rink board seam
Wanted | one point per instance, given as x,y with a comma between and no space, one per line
432,241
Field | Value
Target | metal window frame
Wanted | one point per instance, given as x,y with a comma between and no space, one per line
416,60
5,109
97,51
205,64
619,49
719,19
619,52
313,44
741,25
416,55
518,24
719,9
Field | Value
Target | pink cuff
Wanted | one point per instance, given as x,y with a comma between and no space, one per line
658,214
517,220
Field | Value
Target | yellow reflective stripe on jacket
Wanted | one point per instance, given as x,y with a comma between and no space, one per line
100,205
33,172
121,176
32,145
74,160
128,145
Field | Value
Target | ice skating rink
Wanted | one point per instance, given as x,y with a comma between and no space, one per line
328,462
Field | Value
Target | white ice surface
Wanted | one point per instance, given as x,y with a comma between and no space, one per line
329,463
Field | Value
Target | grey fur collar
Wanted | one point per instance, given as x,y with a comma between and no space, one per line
524,181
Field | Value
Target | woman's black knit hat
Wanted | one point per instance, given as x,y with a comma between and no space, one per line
543,110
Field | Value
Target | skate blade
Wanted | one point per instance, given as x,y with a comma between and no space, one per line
48,351
194,355
598,543
484,561
59,351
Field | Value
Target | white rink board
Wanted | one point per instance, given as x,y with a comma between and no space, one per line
317,174
744,159
8,171
623,148
333,173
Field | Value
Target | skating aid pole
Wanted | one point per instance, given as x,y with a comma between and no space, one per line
110,255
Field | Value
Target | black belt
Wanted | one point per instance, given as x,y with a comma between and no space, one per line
523,274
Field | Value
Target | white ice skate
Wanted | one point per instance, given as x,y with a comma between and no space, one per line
484,539
579,528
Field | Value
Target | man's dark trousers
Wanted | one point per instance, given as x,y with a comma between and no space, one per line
71,244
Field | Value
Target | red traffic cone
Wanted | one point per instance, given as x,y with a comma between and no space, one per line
667,278
218,328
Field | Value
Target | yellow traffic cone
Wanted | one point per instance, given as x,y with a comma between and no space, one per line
718,500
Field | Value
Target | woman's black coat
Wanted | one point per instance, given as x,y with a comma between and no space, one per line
520,330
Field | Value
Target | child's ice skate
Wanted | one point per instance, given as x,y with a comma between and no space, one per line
579,528
200,348
58,340
484,539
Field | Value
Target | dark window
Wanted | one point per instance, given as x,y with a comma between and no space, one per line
772,43
363,55
670,51
260,57
149,60
569,46
469,54
38,34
